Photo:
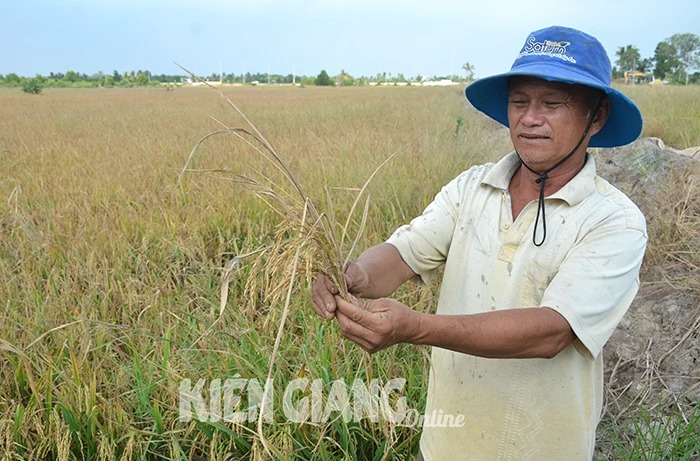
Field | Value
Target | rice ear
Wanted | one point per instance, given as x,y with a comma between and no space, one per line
306,239
317,229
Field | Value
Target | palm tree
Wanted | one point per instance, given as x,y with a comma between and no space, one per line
469,69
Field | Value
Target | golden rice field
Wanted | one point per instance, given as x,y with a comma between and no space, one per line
110,274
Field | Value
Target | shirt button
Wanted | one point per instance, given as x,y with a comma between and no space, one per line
506,226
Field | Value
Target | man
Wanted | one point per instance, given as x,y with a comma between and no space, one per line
541,258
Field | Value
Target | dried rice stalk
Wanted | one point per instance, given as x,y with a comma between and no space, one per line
305,237
313,236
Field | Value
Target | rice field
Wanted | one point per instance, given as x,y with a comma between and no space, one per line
111,272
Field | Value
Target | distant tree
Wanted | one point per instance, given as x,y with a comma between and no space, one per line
687,52
469,69
645,65
116,76
142,78
32,85
695,78
344,79
665,61
71,76
323,79
627,58
12,79
676,57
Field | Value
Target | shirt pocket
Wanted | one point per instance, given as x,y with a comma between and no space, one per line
537,279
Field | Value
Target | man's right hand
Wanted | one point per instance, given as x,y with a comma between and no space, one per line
323,291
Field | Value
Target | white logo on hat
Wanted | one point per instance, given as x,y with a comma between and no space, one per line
546,48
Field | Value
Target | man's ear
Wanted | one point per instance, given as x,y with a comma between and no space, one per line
601,117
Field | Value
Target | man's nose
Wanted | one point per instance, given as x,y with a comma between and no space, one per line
533,115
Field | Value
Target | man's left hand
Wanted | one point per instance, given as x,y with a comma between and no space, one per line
377,324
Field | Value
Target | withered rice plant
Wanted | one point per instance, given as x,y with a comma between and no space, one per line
307,241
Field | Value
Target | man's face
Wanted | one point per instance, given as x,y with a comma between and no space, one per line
547,119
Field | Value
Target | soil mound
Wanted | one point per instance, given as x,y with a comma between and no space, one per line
653,358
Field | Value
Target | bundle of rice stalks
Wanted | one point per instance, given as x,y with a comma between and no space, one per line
304,234
307,241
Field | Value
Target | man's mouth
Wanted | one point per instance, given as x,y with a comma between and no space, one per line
532,136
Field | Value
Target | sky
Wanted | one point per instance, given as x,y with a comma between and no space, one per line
362,37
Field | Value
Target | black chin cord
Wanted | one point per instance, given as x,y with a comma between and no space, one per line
545,176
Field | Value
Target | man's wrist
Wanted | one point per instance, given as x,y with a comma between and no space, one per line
418,328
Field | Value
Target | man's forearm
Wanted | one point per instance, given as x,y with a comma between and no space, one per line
514,333
386,270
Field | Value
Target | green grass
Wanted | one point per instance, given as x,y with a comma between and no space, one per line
110,276
654,436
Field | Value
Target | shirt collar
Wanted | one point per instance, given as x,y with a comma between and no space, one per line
581,186
500,174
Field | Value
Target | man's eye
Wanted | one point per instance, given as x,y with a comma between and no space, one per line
553,103
518,102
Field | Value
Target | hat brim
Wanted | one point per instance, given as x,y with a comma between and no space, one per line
490,96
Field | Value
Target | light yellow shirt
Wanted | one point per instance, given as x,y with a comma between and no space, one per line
587,270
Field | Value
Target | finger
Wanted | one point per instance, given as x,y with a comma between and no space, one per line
323,307
354,332
320,307
330,286
328,297
360,342
352,275
316,300
323,299
355,311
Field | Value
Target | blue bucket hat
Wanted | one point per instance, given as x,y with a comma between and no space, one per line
561,54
